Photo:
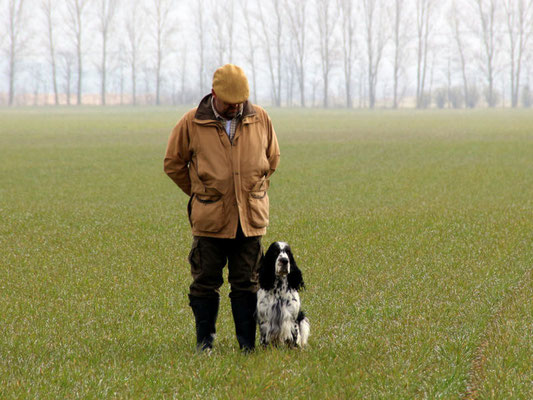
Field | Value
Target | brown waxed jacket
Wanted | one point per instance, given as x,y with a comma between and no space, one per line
226,182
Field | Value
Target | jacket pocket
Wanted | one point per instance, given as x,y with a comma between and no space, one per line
207,212
258,204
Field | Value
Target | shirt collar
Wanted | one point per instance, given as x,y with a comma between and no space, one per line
220,117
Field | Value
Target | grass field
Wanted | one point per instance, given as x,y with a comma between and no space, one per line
414,231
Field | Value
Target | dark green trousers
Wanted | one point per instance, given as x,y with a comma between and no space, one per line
209,256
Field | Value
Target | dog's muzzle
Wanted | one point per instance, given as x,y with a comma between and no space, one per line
283,266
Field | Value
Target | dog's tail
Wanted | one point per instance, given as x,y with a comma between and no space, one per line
305,328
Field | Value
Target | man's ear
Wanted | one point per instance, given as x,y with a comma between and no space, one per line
213,93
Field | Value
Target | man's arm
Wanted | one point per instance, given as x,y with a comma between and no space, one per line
178,156
272,152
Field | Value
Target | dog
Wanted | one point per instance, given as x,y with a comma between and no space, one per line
280,319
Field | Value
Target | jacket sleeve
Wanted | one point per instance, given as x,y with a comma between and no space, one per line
178,155
272,153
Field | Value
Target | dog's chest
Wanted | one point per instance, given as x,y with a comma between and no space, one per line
282,294
279,303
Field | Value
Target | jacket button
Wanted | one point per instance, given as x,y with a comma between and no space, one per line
236,173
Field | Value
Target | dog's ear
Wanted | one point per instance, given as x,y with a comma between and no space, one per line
267,270
295,277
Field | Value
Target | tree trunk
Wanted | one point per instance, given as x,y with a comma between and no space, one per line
104,69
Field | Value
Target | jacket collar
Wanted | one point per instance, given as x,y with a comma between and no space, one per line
205,111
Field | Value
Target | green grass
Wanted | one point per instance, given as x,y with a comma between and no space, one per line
414,232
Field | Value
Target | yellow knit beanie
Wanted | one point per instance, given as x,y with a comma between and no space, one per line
230,84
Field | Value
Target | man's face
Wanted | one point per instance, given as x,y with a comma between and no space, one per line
227,111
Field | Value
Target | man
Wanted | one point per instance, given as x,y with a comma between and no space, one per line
222,154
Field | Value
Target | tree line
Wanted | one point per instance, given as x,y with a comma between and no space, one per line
329,53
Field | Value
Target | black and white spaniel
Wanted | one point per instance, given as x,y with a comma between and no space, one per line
278,304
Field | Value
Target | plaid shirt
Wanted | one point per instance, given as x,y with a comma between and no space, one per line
229,124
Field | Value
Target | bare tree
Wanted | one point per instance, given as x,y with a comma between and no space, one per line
231,23
291,44
486,10
106,13
67,60
184,58
252,44
400,38
457,27
273,33
449,74
362,88
200,25
134,41
223,17
76,10
38,83
164,29
424,12
346,8
289,81
326,19
374,36
147,74
219,40
17,41
519,21
47,10
296,12
122,63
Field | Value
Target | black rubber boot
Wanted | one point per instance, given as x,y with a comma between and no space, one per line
205,310
243,309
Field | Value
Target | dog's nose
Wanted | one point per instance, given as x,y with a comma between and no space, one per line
283,265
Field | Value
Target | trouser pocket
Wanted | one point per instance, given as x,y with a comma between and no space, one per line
207,261
244,264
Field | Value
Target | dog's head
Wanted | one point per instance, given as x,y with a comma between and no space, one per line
278,262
